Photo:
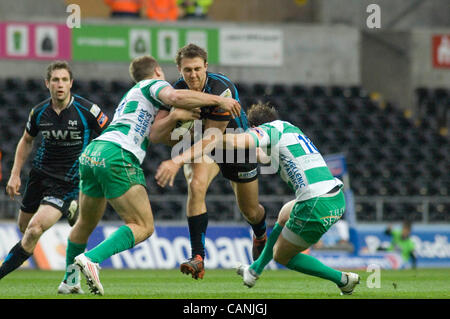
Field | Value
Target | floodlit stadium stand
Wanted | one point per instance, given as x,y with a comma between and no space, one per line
387,153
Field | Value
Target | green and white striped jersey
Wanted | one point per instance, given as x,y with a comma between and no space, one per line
133,118
299,162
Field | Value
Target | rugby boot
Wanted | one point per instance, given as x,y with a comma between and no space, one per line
258,246
65,289
194,266
248,275
352,280
91,271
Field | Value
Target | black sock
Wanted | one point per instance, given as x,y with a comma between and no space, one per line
197,231
15,258
259,229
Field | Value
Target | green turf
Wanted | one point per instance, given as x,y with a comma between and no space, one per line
225,284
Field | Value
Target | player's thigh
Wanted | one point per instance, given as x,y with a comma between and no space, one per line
246,194
200,175
134,207
45,217
91,209
285,212
287,247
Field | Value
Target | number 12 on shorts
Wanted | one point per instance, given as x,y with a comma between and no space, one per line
307,145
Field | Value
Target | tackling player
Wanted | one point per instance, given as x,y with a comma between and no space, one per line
67,122
319,200
110,168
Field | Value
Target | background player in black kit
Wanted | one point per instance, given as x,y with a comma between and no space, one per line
67,123
192,64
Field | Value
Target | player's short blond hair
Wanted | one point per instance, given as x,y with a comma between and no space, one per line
142,67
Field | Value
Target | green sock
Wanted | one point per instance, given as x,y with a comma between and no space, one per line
122,239
267,254
72,250
311,266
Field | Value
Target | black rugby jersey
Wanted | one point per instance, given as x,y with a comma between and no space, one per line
64,136
219,84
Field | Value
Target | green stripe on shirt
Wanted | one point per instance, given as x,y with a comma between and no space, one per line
318,174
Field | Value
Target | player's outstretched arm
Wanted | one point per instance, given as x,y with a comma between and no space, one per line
23,150
188,99
167,170
166,121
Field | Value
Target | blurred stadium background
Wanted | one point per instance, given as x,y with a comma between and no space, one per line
378,98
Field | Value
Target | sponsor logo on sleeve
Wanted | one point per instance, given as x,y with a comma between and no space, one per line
102,119
95,110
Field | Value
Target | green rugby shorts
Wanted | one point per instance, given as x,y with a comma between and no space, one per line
107,170
312,218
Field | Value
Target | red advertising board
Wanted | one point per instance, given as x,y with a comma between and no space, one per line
441,50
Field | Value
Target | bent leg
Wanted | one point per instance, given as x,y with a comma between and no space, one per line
91,210
267,253
287,251
247,200
45,217
134,209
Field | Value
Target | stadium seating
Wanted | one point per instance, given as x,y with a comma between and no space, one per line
387,154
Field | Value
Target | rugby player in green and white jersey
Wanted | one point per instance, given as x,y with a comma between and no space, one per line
110,169
319,201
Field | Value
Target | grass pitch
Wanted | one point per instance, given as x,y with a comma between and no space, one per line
225,284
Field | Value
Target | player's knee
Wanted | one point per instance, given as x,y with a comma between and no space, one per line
33,232
197,187
253,212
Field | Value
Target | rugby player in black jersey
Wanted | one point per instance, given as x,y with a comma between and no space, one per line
192,64
67,122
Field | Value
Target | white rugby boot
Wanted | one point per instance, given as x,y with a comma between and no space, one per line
71,285
65,289
352,280
91,271
248,275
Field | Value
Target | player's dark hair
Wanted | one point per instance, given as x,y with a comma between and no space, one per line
191,51
142,67
57,65
261,113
